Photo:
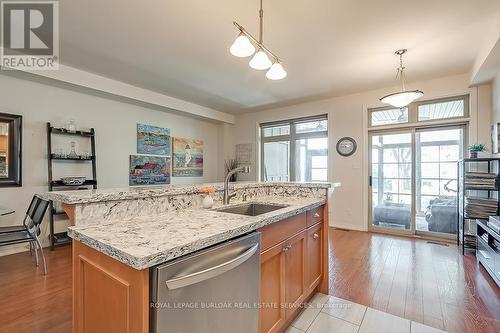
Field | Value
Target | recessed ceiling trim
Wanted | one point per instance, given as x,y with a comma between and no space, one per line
88,80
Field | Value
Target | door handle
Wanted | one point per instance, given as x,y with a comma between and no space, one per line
205,274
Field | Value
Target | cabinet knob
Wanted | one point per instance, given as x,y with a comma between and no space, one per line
316,215
285,249
315,236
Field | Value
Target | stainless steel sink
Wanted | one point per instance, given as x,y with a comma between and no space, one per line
251,209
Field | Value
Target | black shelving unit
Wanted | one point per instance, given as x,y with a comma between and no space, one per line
467,229
61,238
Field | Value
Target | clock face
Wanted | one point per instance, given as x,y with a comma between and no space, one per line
346,146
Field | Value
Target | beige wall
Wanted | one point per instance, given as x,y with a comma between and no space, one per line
115,124
347,116
495,97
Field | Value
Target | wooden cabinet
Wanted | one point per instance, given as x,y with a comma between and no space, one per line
108,296
282,282
295,287
292,267
314,255
272,289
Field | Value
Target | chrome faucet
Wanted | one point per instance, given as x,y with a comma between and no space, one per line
227,196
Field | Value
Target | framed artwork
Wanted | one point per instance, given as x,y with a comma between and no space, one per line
187,157
153,140
149,170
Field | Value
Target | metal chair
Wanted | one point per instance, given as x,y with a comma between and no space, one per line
29,231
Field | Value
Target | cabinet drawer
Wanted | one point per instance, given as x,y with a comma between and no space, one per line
315,215
277,232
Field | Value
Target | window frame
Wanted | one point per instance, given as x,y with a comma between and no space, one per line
292,139
413,112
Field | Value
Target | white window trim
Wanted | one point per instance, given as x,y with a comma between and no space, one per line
292,137
413,114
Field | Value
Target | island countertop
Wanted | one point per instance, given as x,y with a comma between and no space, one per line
146,192
143,242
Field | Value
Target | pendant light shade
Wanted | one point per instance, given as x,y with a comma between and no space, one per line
276,72
402,99
242,47
260,61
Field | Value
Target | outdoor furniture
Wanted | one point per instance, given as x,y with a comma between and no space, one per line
29,231
441,215
392,213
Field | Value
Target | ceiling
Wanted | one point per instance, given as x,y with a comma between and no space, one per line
329,47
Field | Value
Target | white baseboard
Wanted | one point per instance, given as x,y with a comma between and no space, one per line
347,226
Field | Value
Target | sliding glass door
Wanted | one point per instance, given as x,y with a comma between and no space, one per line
437,153
413,180
391,181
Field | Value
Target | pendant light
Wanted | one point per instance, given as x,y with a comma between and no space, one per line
404,97
262,59
242,47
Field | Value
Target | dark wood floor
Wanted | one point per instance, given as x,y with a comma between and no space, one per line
427,283
431,284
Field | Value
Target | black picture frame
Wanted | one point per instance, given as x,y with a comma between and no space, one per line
15,123
354,146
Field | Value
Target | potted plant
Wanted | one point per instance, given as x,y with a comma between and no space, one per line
476,148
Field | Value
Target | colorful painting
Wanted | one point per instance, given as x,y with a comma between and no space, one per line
153,140
187,158
149,170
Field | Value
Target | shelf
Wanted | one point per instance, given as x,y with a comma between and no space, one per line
61,238
61,184
64,131
480,159
81,158
467,188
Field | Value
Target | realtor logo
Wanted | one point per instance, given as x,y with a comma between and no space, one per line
30,35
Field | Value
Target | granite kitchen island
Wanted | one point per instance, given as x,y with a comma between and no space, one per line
120,235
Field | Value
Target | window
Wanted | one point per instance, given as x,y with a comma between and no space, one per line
389,116
441,110
420,111
295,150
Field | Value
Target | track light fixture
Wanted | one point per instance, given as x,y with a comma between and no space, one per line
263,59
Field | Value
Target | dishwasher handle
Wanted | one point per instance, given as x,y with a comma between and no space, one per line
186,280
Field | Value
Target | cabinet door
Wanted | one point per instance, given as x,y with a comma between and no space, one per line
272,289
314,252
295,249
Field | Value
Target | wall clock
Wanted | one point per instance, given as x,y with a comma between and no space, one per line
346,146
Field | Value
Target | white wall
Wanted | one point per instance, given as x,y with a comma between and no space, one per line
496,99
115,124
347,117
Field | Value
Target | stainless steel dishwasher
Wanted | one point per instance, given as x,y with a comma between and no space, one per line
212,291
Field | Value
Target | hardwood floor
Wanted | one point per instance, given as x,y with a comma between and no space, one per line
431,284
32,302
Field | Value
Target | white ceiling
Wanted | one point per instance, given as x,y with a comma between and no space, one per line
329,47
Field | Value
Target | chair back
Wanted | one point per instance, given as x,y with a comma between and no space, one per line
34,215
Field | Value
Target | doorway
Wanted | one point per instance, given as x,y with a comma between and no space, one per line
413,180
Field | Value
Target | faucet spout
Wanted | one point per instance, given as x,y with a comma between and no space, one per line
227,196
